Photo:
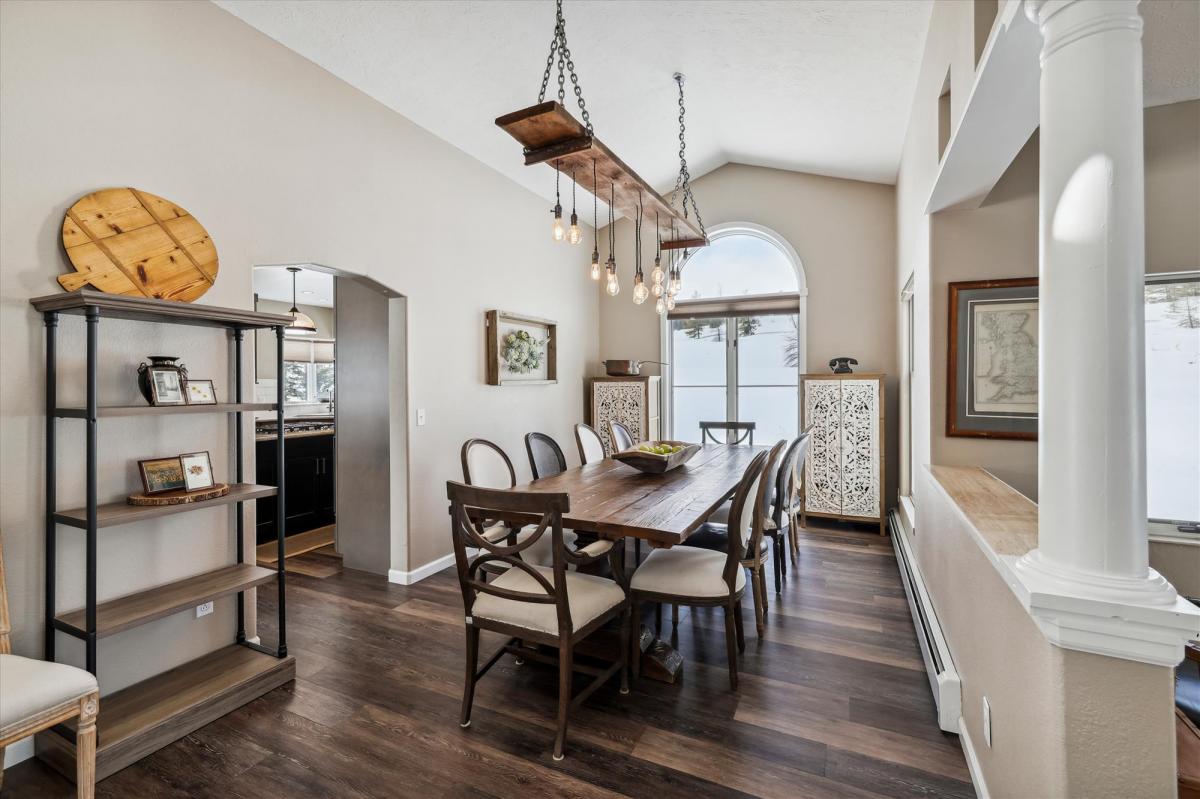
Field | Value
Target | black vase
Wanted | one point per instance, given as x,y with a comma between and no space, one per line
158,362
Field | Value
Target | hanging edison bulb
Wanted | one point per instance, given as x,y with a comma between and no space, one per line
660,306
670,303
613,287
657,274
595,265
574,234
558,231
640,292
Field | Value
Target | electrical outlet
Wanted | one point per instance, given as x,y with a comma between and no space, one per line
420,417
204,610
987,722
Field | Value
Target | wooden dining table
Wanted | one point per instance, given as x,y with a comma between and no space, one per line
614,501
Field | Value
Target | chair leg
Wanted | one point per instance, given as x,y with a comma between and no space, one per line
635,651
565,653
739,627
637,552
794,536
759,600
777,559
731,646
85,747
469,685
674,615
625,650
779,551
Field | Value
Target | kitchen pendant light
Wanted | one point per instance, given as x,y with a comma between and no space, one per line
640,292
557,230
302,324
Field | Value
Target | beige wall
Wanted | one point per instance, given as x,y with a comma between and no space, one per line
282,163
844,233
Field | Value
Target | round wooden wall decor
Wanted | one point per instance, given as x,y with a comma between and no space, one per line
128,241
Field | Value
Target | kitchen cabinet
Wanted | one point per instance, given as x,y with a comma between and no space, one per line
632,401
309,501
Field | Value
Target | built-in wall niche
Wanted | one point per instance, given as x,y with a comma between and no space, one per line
943,114
984,18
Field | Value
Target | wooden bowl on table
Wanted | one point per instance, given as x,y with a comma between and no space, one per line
652,462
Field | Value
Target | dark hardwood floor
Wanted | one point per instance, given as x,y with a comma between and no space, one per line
834,702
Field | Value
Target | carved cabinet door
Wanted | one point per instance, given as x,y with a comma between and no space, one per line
859,433
823,469
619,401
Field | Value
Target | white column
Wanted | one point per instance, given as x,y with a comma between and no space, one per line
1092,527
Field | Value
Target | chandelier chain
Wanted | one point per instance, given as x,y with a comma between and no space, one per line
684,181
566,67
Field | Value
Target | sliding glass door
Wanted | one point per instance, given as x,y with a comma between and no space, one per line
736,368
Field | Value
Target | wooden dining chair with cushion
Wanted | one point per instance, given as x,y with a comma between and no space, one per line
36,695
750,541
591,448
545,605
785,512
620,436
486,465
546,457
698,577
734,433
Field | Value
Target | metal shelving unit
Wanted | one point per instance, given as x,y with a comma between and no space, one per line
147,703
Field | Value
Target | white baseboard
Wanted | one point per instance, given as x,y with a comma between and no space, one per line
421,572
15,753
968,748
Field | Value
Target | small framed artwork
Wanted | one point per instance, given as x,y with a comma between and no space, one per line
161,474
166,387
520,349
992,372
197,471
200,392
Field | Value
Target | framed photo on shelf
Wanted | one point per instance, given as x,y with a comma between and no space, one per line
200,392
992,369
161,474
197,471
166,387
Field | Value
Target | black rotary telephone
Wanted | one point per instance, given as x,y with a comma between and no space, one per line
841,366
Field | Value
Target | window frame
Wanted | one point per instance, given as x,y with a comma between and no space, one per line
716,232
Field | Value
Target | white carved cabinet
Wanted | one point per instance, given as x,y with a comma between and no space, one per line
843,475
632,401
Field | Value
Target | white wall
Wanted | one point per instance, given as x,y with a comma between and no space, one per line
282,163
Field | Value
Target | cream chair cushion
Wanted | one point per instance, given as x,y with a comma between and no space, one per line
28,687
685,572
588,595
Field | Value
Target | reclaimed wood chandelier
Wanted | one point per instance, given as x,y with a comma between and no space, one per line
550,135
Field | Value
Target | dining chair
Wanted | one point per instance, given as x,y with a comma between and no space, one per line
751,549
545,455
620,436
744,431
591,447
539,605
785,512
486,465
698,577
36,695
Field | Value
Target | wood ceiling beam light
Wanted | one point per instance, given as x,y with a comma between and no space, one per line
550,134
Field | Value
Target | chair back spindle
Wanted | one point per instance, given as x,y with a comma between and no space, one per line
735,432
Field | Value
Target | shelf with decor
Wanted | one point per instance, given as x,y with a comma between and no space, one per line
144,717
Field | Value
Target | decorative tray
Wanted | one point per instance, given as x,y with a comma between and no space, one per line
654,462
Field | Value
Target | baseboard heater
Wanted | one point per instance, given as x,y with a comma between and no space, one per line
943,678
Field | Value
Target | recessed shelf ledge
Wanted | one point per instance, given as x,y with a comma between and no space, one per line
1143,620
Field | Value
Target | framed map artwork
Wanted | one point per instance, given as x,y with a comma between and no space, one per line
992,373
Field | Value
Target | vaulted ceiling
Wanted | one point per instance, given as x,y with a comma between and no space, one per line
821,86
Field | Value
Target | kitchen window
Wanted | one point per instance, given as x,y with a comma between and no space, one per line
1173,401
308,370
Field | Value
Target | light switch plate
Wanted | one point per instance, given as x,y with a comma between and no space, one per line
204,610
987,722
420,417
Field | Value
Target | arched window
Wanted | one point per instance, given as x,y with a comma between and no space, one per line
735,340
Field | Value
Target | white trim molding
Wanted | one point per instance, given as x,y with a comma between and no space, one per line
968,747
421,572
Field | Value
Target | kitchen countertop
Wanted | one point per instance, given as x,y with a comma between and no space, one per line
294,434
